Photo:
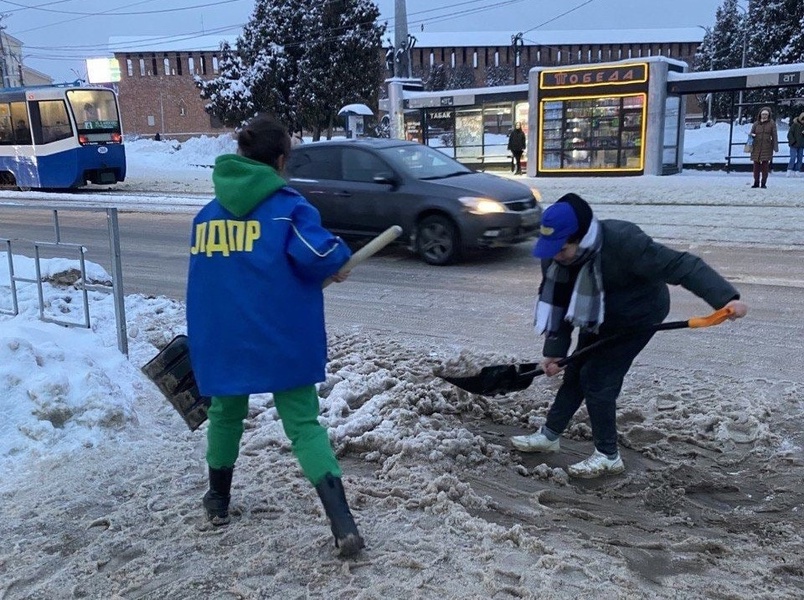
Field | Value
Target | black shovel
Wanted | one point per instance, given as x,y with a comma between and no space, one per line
504,379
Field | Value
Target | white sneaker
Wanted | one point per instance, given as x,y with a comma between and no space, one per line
596,465
535,442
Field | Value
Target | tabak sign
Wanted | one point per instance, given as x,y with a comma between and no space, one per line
595,76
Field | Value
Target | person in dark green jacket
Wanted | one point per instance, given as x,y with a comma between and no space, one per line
795,139
604,277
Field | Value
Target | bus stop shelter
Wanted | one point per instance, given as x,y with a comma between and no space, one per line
771,78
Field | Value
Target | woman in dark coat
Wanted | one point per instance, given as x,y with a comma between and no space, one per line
766,142
516,144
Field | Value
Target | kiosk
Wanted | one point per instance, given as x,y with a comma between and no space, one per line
609,118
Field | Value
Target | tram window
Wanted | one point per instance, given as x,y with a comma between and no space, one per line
22,128
94,110
54,122
6,125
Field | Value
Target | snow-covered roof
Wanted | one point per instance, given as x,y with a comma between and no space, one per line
189,43
356,109
444,39
499,89
439,39
743,72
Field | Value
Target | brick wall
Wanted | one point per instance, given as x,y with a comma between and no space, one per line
156,96
537,56
152,100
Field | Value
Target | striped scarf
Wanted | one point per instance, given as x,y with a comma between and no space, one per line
578,300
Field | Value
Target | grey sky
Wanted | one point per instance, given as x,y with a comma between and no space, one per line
58,34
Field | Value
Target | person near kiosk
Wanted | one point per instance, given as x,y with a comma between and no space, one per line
516,145
795,139
766,142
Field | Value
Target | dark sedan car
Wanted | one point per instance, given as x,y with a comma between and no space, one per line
361,187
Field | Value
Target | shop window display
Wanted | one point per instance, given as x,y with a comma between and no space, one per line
604,133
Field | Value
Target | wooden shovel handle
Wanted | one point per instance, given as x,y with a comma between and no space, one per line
374,246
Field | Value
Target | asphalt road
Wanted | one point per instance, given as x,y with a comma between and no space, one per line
485,303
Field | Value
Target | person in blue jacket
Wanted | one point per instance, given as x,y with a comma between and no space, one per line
255,316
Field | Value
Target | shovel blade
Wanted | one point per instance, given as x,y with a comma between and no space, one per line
172,373
497,379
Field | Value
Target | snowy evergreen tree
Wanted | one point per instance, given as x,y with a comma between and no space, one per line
722,48
501,75
770,32
229,93
341,63
461,77
271,45
727,37
793,50
770,26
301,61
436,78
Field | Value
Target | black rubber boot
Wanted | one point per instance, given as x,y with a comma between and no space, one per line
216,500
347,538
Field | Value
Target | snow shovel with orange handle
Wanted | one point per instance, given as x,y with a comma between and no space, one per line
496,380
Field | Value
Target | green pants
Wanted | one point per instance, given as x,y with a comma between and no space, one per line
298,410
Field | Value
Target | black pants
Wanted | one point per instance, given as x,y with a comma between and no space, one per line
598,380
517,162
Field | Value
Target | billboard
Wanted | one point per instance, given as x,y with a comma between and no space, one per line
103,70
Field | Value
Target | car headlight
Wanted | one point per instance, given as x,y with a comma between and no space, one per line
481,206
537,195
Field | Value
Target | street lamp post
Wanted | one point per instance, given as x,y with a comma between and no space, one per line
711,68
744,30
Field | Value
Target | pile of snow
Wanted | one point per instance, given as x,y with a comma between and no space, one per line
167,153
102,480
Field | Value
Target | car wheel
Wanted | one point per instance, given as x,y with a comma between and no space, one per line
437,240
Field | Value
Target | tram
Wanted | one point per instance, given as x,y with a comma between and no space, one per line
60,137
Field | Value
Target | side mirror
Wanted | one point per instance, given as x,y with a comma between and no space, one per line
386,178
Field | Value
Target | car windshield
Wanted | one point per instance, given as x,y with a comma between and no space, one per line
422,162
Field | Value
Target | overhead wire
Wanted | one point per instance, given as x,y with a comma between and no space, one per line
111,10
206,33
131,13
26,7
81,51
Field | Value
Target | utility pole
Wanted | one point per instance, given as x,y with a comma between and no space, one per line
4,77
710,48
399,57
744,30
